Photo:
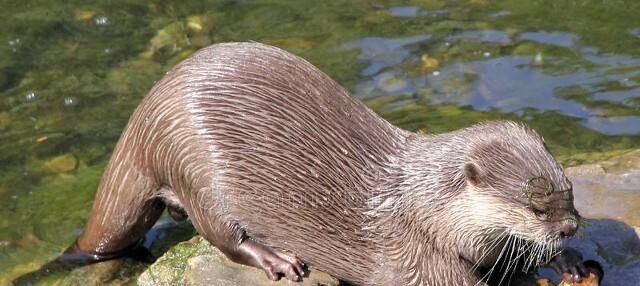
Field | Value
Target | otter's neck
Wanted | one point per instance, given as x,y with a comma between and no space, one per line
411,213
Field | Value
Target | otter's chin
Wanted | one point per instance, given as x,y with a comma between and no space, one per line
527,252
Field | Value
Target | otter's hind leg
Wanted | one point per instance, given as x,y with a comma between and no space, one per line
174,206
125,208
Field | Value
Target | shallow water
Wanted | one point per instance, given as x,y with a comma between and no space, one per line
71,73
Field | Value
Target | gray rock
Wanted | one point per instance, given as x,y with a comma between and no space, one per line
609,188
197,262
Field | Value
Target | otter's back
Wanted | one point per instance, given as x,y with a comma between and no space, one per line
294,154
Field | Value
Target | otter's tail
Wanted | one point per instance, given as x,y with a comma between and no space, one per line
126,206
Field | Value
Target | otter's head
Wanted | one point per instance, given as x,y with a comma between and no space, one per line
517,191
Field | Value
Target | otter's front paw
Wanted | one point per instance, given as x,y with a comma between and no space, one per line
569,264
278,263
275,263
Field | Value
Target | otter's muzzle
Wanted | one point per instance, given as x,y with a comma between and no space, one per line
569,226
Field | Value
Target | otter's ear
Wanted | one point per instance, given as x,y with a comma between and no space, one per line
473,173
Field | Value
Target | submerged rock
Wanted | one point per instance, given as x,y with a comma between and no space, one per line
5,120
189,34
60,164
29,240
118,272
197,262
113,272
125,79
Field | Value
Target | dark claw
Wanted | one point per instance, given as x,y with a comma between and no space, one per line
273,274
299,266
576,277
290,273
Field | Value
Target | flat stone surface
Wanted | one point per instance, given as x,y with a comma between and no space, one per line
609,189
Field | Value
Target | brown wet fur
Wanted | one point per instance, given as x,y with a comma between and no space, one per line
275,163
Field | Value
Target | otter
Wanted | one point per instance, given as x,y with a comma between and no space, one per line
279,167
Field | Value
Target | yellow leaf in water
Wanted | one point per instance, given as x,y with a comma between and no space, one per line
196,23
83,14
428,63
194,26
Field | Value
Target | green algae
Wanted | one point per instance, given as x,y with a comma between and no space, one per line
170,268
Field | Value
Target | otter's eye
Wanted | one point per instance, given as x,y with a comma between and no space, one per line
538,212
541,214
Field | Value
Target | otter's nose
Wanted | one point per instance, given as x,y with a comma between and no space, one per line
568,228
